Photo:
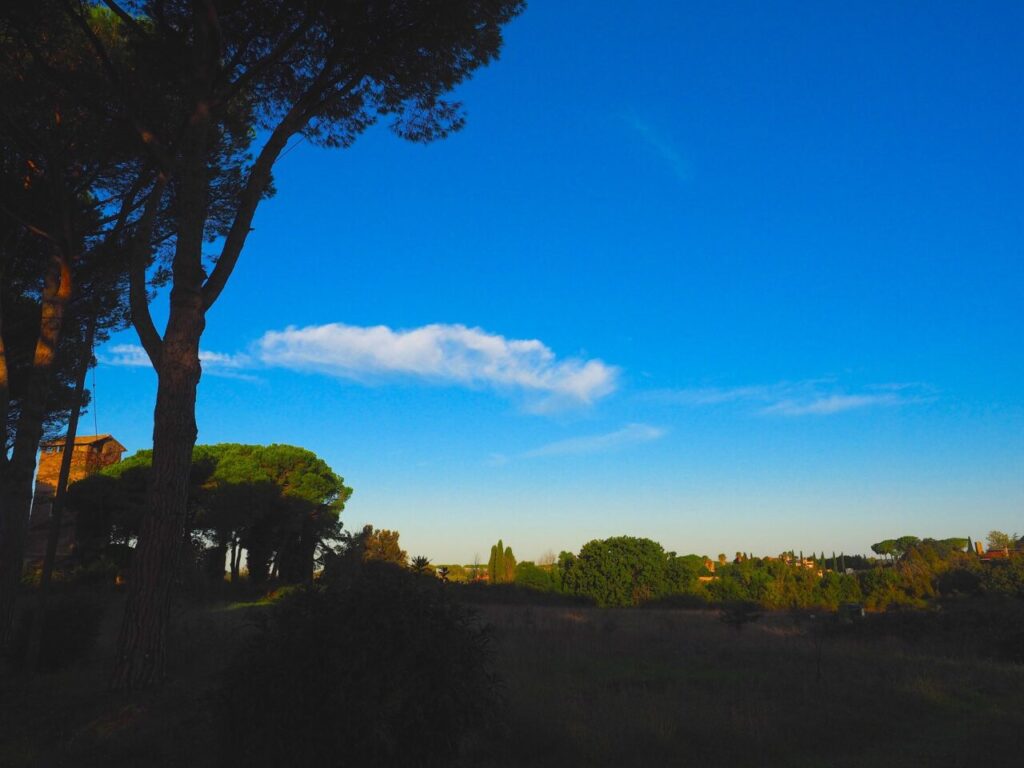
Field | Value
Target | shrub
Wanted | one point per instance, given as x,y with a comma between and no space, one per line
1005,579
533,576
620,571
737,614
375,667
71,626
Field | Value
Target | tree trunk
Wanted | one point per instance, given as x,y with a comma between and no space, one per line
215,557
57,507
142,645
16,491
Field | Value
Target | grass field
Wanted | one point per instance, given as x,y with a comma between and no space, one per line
629,687
583,686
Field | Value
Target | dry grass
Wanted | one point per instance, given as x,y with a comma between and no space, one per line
602,687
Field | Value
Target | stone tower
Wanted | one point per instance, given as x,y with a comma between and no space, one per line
90,454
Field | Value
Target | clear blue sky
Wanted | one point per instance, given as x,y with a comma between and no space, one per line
733,276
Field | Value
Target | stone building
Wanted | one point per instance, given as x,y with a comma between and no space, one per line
90,454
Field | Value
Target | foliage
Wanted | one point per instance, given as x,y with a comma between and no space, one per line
371,667
501,566
535,577
1004,579
281,503
421,565
619,571
1000,540
454,572
381,545
684,572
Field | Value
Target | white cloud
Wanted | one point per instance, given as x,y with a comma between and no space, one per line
214,363
130,355
221,361
804,398
630,434
444,354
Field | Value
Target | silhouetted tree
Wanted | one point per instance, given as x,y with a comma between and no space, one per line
68,206
381,545
200,81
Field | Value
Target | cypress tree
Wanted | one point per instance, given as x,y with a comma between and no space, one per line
970,546
510,566
499,563
492,564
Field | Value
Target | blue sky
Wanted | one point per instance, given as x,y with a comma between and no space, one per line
734,276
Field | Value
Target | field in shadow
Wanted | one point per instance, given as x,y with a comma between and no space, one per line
581,686
628,687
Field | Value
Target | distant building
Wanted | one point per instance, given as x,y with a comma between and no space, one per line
90,454
1005,553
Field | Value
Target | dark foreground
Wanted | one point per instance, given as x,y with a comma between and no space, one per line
582,686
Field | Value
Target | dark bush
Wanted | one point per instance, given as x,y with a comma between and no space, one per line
376,668
738,613
71,626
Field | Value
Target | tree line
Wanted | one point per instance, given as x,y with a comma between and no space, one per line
631,571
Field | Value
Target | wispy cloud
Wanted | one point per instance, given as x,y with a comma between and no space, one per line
214,363
828,404
630,434
819,397
662,146
442,354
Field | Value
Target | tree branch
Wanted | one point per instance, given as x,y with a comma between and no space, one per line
148,137
137,300
30,227
259,177
266,62
126,17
